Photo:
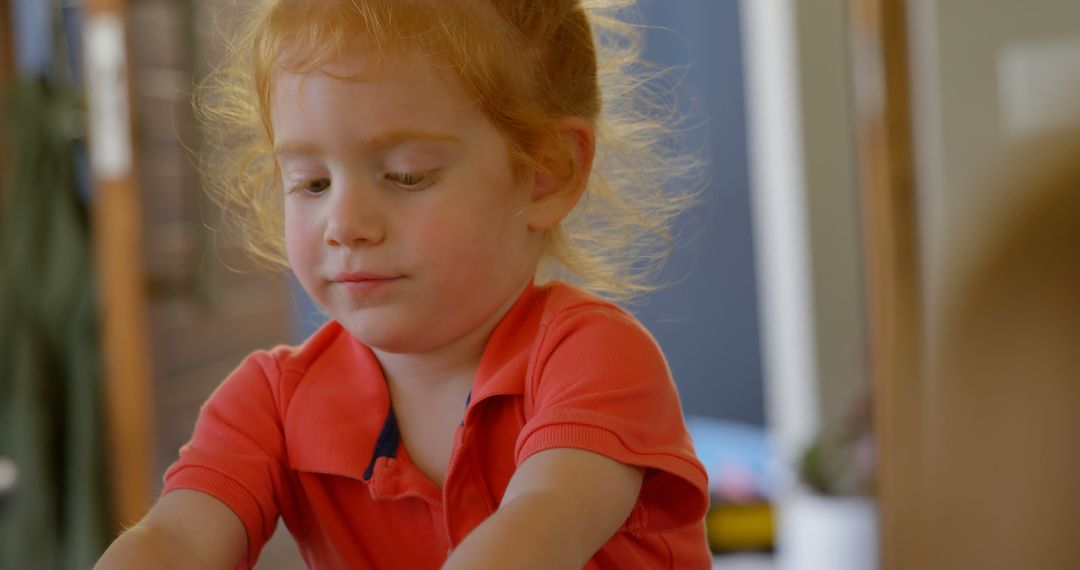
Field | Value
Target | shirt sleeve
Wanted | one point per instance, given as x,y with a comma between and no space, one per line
237,452
601,384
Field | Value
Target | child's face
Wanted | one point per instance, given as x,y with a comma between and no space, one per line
402,213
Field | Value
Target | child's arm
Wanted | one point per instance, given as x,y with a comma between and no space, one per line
560,507
185,529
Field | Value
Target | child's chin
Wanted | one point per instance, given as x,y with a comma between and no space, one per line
383,338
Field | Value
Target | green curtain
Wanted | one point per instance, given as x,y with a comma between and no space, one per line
50,364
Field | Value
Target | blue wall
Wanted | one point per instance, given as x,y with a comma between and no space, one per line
707,321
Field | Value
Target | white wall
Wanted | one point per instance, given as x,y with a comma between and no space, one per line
806,212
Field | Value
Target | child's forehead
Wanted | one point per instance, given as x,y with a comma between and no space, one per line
359,57
361,61
389,91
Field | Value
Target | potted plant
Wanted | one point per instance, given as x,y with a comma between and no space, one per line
829,522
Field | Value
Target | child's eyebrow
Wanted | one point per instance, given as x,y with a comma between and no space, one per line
378,142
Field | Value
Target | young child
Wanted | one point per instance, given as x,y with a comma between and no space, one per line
429,164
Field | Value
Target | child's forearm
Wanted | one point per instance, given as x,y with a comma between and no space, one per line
144,546
529,532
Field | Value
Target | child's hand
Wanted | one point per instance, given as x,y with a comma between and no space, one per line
560,507
185,530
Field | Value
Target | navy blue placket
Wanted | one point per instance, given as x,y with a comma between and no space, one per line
467,400
386,445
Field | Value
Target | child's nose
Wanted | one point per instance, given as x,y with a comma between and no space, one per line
354,217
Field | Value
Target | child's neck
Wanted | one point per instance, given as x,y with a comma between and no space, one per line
452,366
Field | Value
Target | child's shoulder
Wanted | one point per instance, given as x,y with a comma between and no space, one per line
578,321
327,348
328,340
562,299
566,303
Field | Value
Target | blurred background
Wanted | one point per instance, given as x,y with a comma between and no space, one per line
852,150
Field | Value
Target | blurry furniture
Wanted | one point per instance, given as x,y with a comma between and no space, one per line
738,460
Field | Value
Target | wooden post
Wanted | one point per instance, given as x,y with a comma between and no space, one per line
118,238
892,267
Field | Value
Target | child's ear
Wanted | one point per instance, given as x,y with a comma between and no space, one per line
562,173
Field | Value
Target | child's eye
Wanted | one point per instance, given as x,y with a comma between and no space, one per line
313,186
412,180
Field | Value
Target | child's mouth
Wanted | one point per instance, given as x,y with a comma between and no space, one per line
361,282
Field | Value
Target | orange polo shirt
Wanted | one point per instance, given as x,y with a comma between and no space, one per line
307,434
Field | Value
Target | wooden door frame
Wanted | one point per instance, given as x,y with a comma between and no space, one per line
118,237
895,309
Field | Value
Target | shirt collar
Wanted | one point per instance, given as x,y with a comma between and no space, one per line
505,360
338,410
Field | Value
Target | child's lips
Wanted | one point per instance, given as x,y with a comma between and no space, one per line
362,276
361,282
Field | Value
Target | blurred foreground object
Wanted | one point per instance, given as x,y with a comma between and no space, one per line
50,417
1004,424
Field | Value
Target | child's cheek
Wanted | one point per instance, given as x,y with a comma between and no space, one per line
301,241
447,240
